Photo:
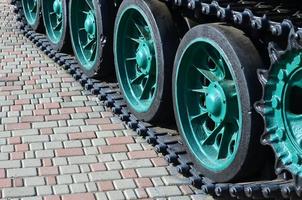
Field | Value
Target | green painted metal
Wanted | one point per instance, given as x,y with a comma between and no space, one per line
31,10
207,104
83,27
283,112
53,19
135,58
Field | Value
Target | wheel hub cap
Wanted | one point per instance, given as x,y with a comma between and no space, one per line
58,7
90,25
143,57
216,102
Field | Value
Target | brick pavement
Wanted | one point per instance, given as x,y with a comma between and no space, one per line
58,141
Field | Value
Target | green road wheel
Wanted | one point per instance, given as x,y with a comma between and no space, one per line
55,16
91,25
32,13
282,112
144,49
214,88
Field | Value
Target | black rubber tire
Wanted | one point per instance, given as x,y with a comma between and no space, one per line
105,12
38,26
64,45
245,60
166,42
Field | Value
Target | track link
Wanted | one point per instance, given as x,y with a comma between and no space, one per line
169,144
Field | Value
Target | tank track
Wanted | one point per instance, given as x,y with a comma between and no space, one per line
168,144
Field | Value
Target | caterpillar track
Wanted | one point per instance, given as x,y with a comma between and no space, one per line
275,24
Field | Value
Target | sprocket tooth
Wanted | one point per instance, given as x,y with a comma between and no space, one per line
259,106
266,134
262,75
275,52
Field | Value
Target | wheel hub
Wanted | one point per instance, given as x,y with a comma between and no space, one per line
216,102
283,113
143,57
90,25
58,7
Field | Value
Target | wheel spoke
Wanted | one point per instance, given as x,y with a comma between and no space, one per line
58,26
53,14
224,144
214,56
90,4
134,39
146,88
207,74
223,148
93,53
89,44
202,114
140,29
33,7
131,59
200,90
211,138
138,79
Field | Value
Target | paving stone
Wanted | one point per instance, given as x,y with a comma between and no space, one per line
157,181
115,195
113,165
136,163
106,175
179,198
80,178
34,181
124,184
21,172
64,179
77,188
18,192
91,187
35,138
36,146
59,161
82,159
163,191
101,196
155,171
44,190
60,189
45,154
130,194
69,169
175,180
31,163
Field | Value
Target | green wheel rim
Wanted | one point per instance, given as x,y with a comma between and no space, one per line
283,113
53,19
135,58
84,32
31,10
207,104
